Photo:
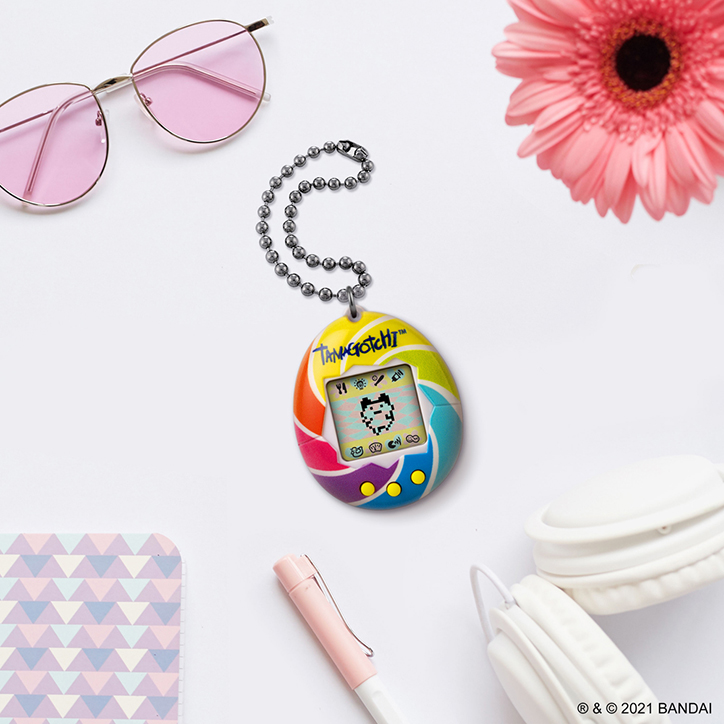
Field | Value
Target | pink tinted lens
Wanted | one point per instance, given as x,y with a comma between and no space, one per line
204,82
53,144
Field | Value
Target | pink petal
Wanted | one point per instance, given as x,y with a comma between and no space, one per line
523,69
716,68
678,199
589,184
702,193
526,120
541,140
538,39
534,21
527,89
517,69
625,205
715,92
557,75
678,157
642,158
715,13
617,172
532,96
512,51
589,146
654,211
569,12
700,161
714,147
545,158
521,63
526,7
555,157
602,205
654,195
711,118
557,111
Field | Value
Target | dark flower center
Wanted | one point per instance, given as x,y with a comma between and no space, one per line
643,61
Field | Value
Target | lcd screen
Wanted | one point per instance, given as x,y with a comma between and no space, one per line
376,412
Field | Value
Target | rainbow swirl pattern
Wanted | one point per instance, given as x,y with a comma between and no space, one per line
377,339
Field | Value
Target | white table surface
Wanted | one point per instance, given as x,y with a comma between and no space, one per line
148,353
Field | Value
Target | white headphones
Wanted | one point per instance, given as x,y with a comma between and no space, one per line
631,538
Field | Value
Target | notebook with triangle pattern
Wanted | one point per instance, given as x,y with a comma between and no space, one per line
90,629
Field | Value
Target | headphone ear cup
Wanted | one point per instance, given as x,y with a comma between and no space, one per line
522,683
523,665
542,680
519,653
649,591
586,646
636,536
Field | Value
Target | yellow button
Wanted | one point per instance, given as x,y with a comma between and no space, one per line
394,489
418,477
367,489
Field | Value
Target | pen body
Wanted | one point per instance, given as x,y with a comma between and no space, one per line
332,633
296,574
374,696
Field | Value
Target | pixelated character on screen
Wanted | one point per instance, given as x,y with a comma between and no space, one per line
377,413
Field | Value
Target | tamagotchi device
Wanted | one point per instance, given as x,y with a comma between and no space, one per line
377,413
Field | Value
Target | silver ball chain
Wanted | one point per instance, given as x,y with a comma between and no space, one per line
350,149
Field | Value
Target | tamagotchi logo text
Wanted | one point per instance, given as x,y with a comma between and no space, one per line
373,343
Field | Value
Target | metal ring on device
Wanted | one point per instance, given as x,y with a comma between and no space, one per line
354,315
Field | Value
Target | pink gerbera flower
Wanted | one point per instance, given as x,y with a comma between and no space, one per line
626,97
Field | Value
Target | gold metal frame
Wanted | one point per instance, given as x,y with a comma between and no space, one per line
36,163
117,82
255,26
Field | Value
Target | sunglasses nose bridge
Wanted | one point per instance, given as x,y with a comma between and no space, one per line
112,84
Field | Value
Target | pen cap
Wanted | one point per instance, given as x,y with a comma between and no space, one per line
292,570
297,575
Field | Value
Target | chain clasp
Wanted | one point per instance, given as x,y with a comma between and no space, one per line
352,150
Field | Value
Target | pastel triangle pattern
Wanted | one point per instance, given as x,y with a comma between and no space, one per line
89,629
6,540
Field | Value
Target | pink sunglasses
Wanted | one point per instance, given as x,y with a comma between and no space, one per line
202,83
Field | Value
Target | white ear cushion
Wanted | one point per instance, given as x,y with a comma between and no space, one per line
631,596
586,645
568,678
523,685
531,671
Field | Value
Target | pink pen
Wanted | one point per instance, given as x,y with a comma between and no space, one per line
303,583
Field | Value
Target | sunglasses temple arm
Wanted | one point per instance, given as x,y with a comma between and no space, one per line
54,115
258,24
206,45
204,74
24,121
